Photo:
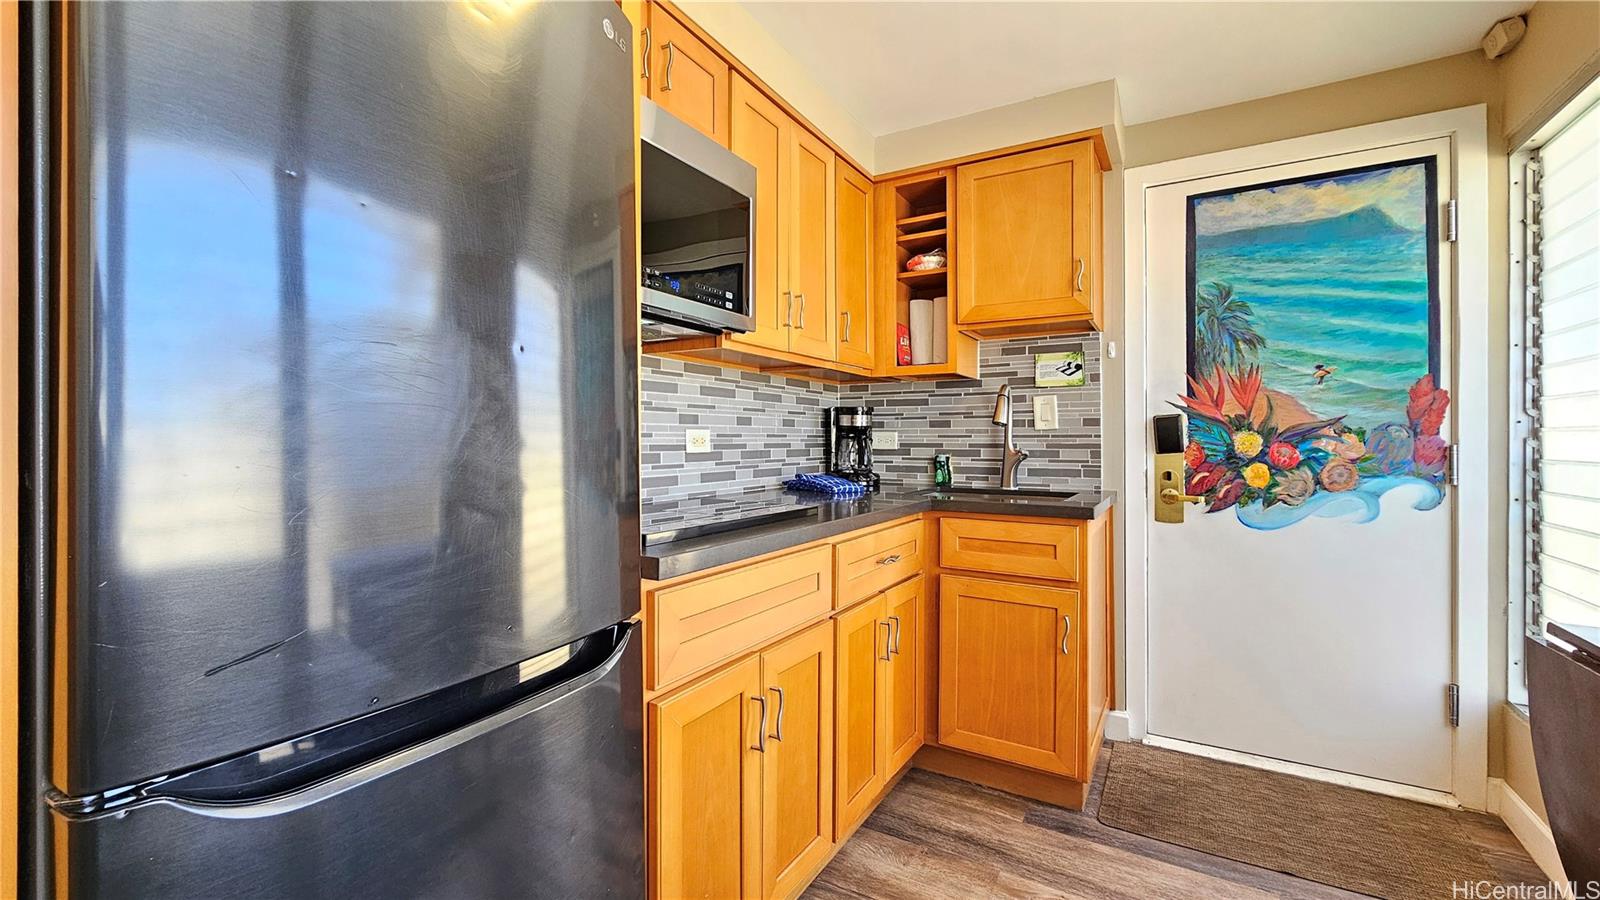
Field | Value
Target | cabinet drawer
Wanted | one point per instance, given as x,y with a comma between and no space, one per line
867,565
1034,549
697,625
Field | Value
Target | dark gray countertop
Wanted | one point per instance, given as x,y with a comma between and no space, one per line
832,517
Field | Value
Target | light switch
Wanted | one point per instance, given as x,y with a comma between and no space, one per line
886,440
1044,412
697,440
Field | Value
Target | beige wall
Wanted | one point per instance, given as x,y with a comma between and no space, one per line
1519,773
1557,57
1064,112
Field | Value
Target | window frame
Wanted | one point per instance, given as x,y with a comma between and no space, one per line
1522,583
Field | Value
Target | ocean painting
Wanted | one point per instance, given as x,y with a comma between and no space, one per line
1313,355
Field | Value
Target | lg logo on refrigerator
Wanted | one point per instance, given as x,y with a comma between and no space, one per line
620,38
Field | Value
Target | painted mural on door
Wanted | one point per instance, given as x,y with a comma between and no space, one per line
1313,345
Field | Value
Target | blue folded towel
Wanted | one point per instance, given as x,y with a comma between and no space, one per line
832,485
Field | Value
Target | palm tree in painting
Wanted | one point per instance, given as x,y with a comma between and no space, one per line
1223,333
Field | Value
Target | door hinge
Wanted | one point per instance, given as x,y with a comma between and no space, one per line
1453,465
1450,220
1453,692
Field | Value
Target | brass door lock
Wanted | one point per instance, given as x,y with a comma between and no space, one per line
1170,434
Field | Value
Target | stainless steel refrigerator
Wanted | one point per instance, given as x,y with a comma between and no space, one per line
351,509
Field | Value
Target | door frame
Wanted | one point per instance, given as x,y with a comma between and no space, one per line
1467,130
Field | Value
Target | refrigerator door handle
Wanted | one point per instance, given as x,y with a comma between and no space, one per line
168,790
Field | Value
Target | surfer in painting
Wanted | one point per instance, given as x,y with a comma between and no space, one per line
1322,372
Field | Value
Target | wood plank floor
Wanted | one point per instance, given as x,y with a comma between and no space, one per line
936,837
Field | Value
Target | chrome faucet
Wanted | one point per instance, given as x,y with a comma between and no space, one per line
1014,454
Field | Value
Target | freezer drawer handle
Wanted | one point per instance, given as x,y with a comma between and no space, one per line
169,790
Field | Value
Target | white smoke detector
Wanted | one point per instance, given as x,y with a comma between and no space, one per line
1503,36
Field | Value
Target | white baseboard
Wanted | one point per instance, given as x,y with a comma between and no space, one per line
1529,829
1117,725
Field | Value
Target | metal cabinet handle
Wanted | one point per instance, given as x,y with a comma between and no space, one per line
761,733
887,636
788,309
802,299
846,326
672,54
777,733
645,63
1079,278
1066,632
889,560
896,621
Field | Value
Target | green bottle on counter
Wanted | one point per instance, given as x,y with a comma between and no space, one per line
941,470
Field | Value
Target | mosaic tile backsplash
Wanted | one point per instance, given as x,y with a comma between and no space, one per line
765,428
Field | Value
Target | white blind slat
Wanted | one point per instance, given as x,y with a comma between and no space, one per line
1566,300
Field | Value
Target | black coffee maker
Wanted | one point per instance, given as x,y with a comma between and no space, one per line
847,444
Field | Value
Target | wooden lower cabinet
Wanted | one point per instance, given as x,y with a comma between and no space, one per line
905,676
879,694
1009,672
705,783
741,774
797,765
861,642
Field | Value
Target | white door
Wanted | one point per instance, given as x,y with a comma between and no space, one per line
1303,611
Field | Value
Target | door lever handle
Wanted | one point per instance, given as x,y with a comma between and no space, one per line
1173,495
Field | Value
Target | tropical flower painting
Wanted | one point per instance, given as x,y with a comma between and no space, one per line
1314,346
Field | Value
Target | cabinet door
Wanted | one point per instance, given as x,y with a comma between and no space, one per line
797,768
706,780
809,266
760,135
1024,245
687,77
1008,685
861,642
853,265
904,677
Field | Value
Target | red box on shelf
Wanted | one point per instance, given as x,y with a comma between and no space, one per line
902,345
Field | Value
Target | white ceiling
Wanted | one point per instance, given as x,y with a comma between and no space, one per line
896,65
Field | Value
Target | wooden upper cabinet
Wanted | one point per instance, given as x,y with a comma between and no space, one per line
1009,672
853,265
1028,245
759,134
810,263
686,76
705,777
861,643
797,764
905,674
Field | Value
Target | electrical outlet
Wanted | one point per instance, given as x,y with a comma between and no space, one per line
697,440
1044,412
886,440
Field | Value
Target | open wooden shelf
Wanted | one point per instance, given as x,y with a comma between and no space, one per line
922,241
912,223
924,276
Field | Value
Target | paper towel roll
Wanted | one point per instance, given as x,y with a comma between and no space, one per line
921,332
941,329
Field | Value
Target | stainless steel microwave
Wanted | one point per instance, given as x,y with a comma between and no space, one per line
697,202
